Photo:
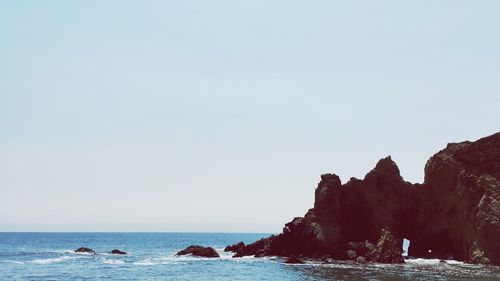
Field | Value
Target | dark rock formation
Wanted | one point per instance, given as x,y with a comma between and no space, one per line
259,248
234,248
454,213
360,248
387,250
199,251
356,211
459,210
294,260
84,250
117,252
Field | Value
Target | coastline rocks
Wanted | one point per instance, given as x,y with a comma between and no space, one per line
234,248
259,248
85,250
460,203
355,211
455,212
477,257
117,252
199,251
387,250
294,260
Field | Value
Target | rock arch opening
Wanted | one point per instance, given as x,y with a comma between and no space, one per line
406,245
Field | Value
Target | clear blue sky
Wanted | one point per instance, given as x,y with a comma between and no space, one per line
221,115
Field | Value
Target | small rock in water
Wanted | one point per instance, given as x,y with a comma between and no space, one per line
294,260
199,251
84,250
118,252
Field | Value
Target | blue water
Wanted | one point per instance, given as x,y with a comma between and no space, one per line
50,256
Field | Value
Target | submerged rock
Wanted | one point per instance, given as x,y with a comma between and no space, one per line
199,251
117,252
234,248
84,250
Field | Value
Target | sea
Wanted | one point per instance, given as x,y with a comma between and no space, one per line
151,256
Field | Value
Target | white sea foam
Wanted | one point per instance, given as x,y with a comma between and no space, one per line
111,261
455,262
420,261
12,261
62,251
52,260
82,253
146,262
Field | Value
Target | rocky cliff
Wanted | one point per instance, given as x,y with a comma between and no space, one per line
455,213
459,208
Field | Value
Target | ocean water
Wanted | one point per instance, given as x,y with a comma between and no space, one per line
151,256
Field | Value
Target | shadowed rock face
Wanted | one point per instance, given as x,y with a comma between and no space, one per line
460,203
454,213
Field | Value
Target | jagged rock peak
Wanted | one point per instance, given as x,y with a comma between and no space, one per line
387,167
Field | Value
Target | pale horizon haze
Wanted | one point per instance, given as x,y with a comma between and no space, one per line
220,116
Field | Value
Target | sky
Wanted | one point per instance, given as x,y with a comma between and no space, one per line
220,116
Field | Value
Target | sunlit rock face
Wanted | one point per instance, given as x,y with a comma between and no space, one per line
453,214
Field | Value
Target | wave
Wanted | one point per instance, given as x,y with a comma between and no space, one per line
52,260
12,261
145,262
114,262
420,261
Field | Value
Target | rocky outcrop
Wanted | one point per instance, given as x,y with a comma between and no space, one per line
117,252
454,213
388,249
355,211
234,248
85,250
459,210
200,251
259,248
